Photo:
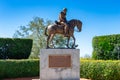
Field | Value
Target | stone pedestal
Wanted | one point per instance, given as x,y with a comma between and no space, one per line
59,64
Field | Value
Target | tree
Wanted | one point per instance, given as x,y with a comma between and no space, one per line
35,30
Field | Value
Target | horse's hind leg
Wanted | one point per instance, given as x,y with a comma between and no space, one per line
48,38
51,37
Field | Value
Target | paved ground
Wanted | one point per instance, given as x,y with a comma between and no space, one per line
34,78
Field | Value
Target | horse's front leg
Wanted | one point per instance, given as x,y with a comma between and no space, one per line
68,39
73,46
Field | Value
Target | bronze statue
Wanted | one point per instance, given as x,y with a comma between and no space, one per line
59,29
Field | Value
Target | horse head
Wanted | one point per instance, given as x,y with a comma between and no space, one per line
75,22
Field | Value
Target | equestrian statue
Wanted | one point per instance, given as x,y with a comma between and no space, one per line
64,27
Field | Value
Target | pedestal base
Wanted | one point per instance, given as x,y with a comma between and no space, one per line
59,64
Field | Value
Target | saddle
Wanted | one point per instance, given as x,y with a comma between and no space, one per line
59,24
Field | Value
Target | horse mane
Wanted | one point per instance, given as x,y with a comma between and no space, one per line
73,20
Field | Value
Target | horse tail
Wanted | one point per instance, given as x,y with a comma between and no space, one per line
46,31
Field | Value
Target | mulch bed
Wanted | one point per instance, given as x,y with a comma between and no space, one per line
33,78
26,78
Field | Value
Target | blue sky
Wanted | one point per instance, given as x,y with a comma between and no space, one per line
99,17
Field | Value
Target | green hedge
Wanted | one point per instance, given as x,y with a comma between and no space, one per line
106,47
19,68
100,70
15,48
92,69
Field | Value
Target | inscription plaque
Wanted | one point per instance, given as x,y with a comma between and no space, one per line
56,61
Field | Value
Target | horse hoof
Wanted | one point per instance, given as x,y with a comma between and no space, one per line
76,45
47,47
68,47
73,47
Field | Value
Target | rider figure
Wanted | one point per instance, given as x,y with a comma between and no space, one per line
63,21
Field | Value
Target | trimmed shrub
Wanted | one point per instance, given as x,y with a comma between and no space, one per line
19,68
15,48
92,69
100,70
106,47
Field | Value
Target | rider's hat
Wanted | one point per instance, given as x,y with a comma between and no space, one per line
65,9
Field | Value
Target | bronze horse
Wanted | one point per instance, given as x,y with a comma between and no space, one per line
58,29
